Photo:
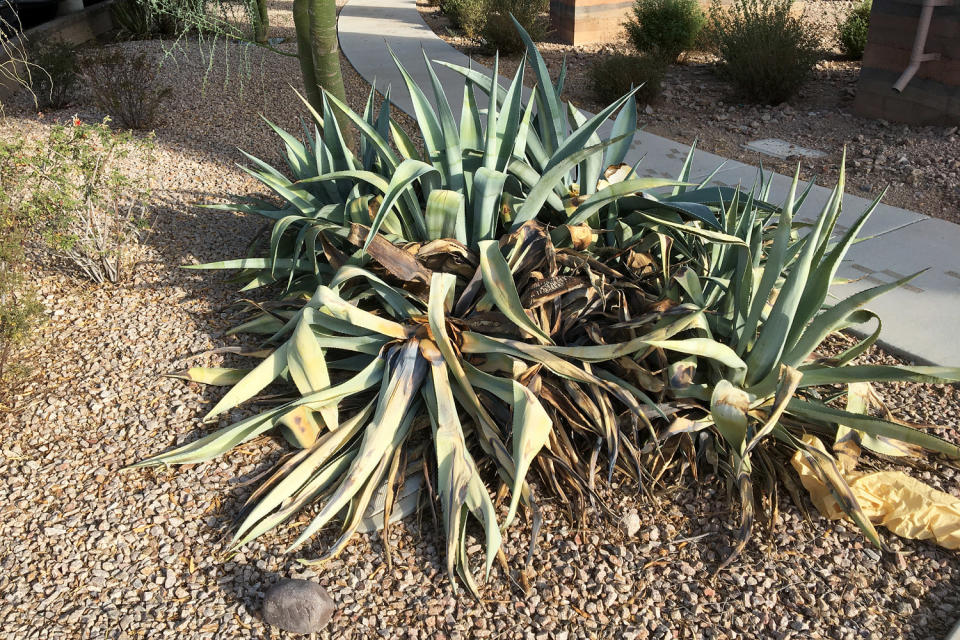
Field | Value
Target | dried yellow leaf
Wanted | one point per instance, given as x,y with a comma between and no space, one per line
902,504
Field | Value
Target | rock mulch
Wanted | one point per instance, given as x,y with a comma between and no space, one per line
920,165
88,550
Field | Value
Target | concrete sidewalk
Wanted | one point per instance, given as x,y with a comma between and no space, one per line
919,320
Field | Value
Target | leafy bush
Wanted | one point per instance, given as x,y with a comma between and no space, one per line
665,28
64,194
466,15
499,32
852,31
559,307
53,73
69,191
766,52
19,309
615,75
127,87
490,21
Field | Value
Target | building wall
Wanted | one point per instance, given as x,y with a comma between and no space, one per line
583,21
933,96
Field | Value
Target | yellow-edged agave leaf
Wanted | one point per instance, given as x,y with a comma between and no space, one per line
223,440
380,438
216,376
319,455
343,310
269,369
459,482
499,283
308,365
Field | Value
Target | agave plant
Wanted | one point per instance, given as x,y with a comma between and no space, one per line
512,297
767,299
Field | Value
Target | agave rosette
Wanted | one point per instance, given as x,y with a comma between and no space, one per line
510,297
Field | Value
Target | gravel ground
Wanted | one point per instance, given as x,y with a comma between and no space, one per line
921,165
90,551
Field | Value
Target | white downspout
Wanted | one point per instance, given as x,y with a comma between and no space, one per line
917,56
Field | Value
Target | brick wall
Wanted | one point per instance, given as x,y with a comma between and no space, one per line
933,96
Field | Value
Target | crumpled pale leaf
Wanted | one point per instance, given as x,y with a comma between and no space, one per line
902,504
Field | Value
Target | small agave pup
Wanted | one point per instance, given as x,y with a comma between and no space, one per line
513,299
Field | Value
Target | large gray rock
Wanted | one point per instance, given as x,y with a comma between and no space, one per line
298,606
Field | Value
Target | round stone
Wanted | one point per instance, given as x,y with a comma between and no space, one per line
298,606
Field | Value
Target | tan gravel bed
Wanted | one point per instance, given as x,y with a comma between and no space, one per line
90,551
920,165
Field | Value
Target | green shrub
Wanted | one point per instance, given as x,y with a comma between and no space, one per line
852,31
69,192
53,73
665,28
489,20
614,75
125,87
65,194
766,52
19,309
499,32
467,15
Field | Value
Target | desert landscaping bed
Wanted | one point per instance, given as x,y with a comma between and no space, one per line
88,550
920,165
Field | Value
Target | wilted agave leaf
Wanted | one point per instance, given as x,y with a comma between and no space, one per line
500,286
302,475
728,408
861,398
459,482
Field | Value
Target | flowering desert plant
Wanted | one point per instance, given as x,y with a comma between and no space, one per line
512,301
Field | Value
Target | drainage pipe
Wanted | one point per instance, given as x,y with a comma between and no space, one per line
917,56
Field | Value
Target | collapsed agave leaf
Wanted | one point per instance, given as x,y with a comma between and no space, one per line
514,298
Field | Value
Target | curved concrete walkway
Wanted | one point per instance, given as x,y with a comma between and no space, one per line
920,320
